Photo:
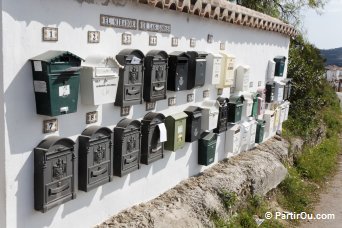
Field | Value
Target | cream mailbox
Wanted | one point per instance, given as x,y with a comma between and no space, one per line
269,119
270,70
233,139
245,136
247,105
242,78
99,81
227,71
253,124
214,68
279,91
287,109
210,111
276,119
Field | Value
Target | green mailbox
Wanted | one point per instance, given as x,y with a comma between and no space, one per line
235,108
260,131
176,130
207,148
255,97
280,66
56,79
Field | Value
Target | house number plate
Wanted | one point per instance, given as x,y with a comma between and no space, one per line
174,42
50,34
126,39
50,126
205,93
93,37
125,110
192,42
153,41
172,101
91,117
222,46
190,97
150,106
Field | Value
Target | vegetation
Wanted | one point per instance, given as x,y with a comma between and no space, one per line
332,56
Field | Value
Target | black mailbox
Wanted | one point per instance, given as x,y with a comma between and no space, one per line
279,65
95,157
223,115
235,106
54,173
130,88
287,89
155,77
154,135
193,123
197,69
270,86
126,147
178,71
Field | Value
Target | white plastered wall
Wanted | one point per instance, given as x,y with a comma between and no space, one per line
22,24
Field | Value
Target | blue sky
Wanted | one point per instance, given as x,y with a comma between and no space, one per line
325,30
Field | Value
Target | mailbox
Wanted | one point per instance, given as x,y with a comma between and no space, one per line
270,70
235,106
287,108
56,80
95,157
178,71
99,82
260,131
279,66
287,89
130,86
197,69
193,123
269,122
213,68
154,135
227,71
223,115
245,136
55,173
253,126
126,147
270,87
210,113
207,148
261,101
176,130
242,78
279,91
155,77
247,105
276,119
255,97
233,139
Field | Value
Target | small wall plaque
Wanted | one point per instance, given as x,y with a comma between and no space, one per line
50,34
91,117
172,101
174,42
154,26
118,22
150,106
153,41
126,39
219,91
192,42
190,97
93,36
250,84
125,110
222,46
50,126
232,90
210,38
206,93
259,83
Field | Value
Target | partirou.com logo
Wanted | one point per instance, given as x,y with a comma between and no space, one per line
298,216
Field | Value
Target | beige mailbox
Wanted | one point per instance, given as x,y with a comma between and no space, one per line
269,119
233,139
242,78
210,113
276,119
287,109
213,68
227,71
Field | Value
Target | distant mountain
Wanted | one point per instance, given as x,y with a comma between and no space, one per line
333,56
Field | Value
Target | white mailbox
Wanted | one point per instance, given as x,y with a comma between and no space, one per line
269,119
270,70
242,78
247,105
227,71
213,68
287,109
279,91
276,119
282,108
253,126
245,136
210,111
99,82
233,139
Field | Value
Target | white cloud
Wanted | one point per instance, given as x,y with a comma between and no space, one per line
333,6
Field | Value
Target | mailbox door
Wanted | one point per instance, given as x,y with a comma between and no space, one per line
195,128
279,68
229,72
269,93
238,112
222,120
216,70
280,93
159,74
260,133
179,134
206,154
104,89
200,72
181,75
130,151
133,83
255,107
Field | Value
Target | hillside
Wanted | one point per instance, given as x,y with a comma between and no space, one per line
333,56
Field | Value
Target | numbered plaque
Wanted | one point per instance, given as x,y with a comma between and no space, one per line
190,97
219,91
93,37
50,126
210,38
222,46
259,83
172,101
192,42
206,93
150,106
153,41
125,110
91,117
174,42
250,84
126,39
50,34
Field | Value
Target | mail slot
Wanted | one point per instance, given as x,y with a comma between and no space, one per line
154,135
130,86
269,123
253,126
126,147
270,70
233,139
155,77
287,89
235,106
178,71
270,87
223,115
227,71
210,113
213,68
99,81
207,148
176,131
245,136
260,131
197,69
193,123
242,78
255,97
247,105
95,157
56,80
55,173
279,66
279,91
